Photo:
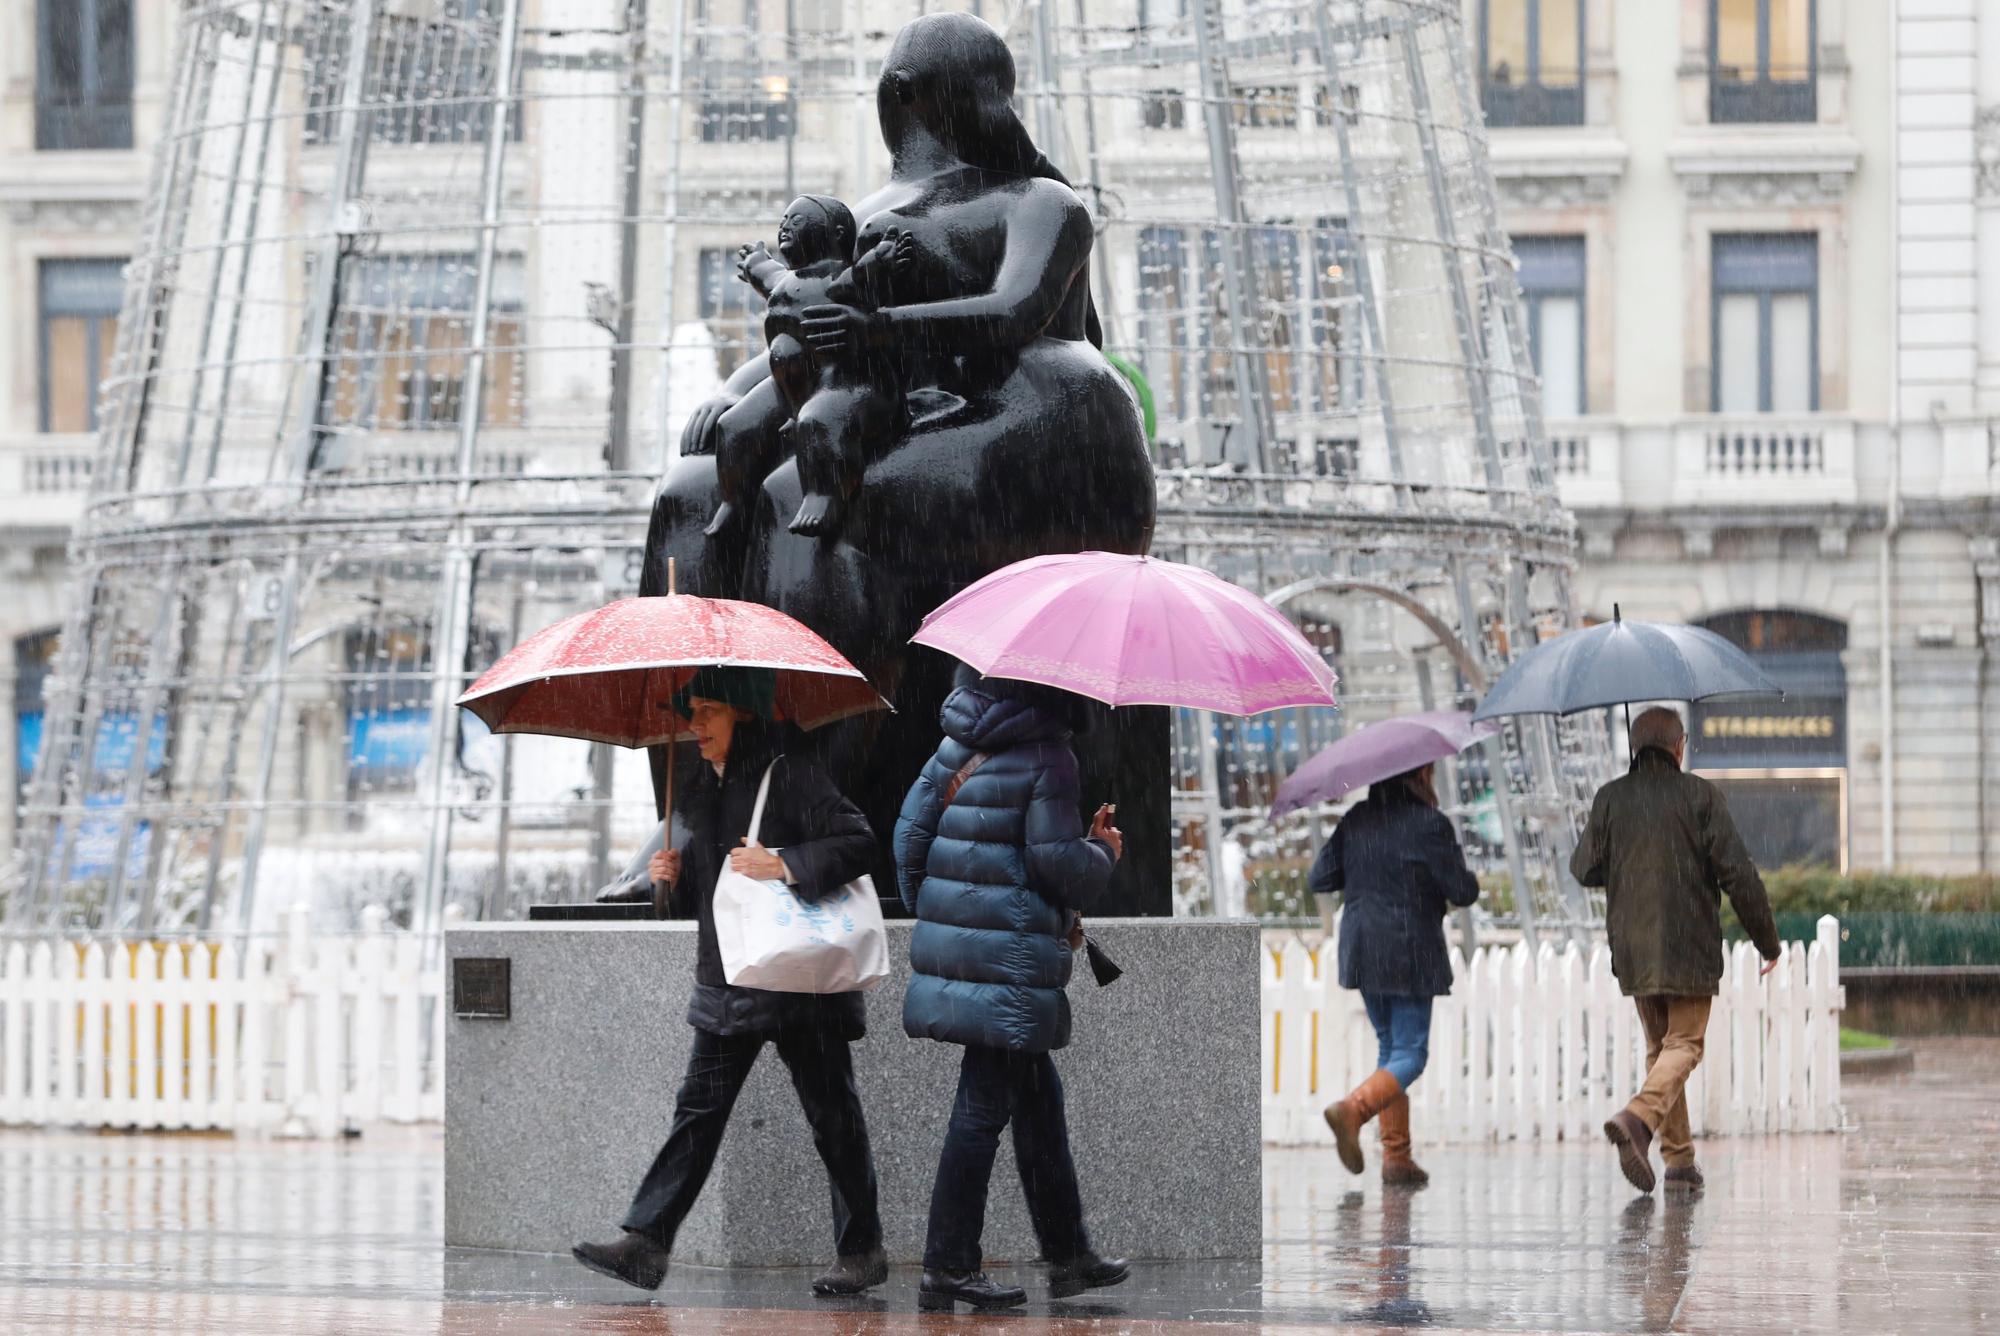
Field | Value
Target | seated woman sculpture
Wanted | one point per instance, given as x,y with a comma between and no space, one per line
1021,438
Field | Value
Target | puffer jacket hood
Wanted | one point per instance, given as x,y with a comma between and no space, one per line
987,718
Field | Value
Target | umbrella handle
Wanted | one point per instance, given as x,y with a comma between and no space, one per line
666,831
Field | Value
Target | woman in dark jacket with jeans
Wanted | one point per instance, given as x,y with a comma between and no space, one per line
993,858
815,839
1395,861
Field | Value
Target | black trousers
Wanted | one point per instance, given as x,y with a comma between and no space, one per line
822,1071
997,1087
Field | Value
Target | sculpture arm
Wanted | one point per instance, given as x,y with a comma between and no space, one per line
697,436
1047,242
762,271
747,377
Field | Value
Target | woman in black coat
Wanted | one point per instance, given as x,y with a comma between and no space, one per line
1395,861
815,839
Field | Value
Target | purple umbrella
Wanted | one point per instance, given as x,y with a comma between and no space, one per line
1376,752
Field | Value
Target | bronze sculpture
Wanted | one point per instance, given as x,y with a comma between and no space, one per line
1020,439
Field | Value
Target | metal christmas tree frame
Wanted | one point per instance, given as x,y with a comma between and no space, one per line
427,287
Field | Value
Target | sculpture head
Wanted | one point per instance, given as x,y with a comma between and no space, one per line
815,228
951,75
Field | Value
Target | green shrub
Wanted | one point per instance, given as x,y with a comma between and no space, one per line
1816,891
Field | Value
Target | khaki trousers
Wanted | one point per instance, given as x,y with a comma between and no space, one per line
1675,1030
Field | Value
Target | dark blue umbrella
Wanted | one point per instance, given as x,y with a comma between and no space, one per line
1618,662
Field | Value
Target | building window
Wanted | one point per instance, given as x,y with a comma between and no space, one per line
1531,66
80,300
429,80
1762,60
402,340
1306,327
1765,323
1336,322
1265,107
1163,109
1276,302
83,74
733,312
1552,280
743,100
1163,317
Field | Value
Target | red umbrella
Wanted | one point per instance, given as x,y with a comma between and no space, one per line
610,675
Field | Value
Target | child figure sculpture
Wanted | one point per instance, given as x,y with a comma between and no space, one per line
839,405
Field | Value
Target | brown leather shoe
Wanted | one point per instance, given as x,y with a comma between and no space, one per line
1348,1116
1627,1131
1398,1169
1684,1177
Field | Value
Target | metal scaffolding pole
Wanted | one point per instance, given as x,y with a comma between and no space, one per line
250,235
272,687
670,234
1471,343
349,154
206,314
159,664
1107,306
1511,830
618,452
1253,388
451,629
1377,350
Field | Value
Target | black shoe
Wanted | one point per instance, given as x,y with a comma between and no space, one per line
851,1275
1086,1271
634,1259
941,1290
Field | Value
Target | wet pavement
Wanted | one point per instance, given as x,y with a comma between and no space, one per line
1892,1226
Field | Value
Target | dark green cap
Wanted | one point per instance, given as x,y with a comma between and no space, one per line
752,689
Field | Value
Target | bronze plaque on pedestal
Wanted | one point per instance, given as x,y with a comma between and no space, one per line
481,988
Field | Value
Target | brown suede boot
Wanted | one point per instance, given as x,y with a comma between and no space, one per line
1634,1140
1348,1116
1398,1169
1684,1177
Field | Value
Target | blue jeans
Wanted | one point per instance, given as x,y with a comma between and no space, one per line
998,1088
1402,1034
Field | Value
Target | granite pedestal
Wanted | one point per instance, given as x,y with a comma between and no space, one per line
553,1114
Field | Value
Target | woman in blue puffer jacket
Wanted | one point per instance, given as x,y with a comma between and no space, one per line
993,858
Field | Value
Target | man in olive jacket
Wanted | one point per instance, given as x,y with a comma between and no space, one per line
1662,845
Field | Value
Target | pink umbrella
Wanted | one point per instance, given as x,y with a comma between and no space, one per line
1377,752
1131,631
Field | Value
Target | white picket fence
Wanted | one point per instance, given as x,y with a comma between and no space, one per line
298,1036
1540,1045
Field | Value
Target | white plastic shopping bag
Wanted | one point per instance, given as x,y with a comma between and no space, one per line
770,938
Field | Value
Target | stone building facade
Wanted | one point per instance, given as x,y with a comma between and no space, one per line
1759,242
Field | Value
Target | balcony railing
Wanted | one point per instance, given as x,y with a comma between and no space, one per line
44,479
1556,101
99,123
1764,460
1739,96
1586,454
